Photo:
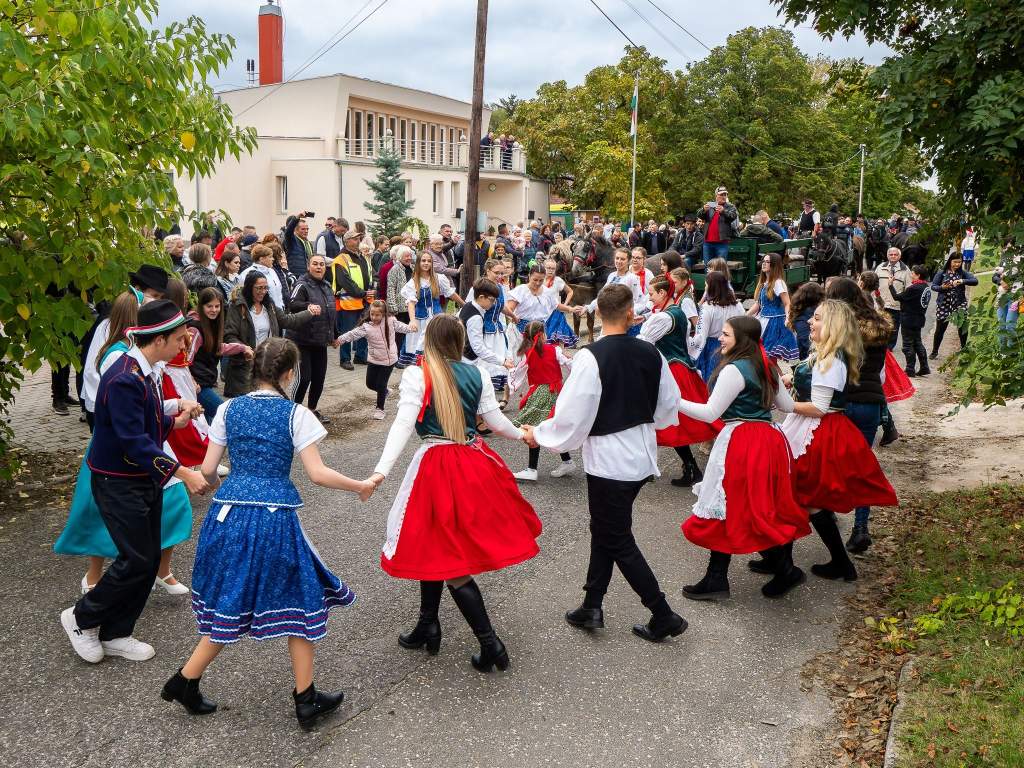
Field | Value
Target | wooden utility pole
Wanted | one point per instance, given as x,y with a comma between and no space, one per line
469,273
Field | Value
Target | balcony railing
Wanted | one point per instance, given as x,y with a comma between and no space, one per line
435,153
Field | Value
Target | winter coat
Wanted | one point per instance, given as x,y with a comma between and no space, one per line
197,276
950,299
913,303
381,347
398,276
322,329
238,328
726,219
298,251
901,278
761,233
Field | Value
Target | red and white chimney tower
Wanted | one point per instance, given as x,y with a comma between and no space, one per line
271,44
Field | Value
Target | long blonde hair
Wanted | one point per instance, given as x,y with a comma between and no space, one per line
417,276
443,342
839,333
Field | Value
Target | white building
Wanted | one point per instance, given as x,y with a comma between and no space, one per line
317,142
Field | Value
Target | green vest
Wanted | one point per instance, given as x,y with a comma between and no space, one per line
747,405
467,379
673,344
802,388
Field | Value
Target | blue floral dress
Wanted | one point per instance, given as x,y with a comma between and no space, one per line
779,342
256,572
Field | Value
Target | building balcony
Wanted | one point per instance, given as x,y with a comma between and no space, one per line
434,154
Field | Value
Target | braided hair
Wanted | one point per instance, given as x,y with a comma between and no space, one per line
273,359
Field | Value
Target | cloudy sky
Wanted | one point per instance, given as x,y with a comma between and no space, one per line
428,44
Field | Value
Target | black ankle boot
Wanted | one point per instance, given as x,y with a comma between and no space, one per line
691,472
471,604
766,564
428,629
889,434
311,704
715,583
859,540
840,566
786,575
186,692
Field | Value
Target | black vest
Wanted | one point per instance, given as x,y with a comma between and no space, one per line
468,310
869,388
331,243
630,371
807,221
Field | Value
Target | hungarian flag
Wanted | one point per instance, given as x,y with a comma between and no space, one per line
636,96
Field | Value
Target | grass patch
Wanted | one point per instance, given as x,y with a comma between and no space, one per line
967,705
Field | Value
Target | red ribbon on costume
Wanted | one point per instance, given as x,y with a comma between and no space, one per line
427,392
764,359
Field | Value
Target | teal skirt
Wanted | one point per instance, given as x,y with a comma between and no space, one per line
85,534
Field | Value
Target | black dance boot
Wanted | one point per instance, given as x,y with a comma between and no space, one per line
492,650
311,704
840,566
766,564
427,631
786,576
889,432
691,470
664,623
859,540
715,583
186,692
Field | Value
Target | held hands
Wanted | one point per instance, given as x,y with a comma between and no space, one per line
528,437
193,480
509,364
248,353
336,343
414,325
787,379
369,485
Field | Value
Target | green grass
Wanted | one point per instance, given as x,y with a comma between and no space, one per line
967,708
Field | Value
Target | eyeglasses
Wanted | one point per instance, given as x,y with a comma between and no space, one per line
260,288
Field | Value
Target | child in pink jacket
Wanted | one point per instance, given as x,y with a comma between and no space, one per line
378,328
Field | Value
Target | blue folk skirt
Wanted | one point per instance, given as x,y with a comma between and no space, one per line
779,342
708,358
257,574
558,330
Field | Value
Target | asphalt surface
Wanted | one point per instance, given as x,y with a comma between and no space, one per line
725,693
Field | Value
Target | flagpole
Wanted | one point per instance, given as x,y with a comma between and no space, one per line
635,129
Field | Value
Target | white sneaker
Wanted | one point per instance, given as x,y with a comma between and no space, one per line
564,469
86,642
378,414
86,586
128,648
222,471
526,474
177,588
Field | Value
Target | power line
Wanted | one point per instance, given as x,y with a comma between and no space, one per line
688,32
328,40
661,34
613,23
312,61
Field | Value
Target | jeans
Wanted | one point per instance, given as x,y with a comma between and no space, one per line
347,320
210,399
131,508
715,251
312,373
913,348
867,417
895,314
1007,324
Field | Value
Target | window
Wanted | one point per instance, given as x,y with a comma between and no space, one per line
452,150
369,133
438,197
433,143
381,126
408,190
413,148
393,127
282,193
348,124
456,196
358,148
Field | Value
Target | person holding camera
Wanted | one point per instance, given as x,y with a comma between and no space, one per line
720,217
950,286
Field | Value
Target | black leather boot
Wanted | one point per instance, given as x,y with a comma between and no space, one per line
471,604
691,469
186,692
840,566
311,704
786,576
427,631
715,583
859,540
766,564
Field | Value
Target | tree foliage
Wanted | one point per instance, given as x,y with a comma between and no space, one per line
95,111
389,206
756,114
954,88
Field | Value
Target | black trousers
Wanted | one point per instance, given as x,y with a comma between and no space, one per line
612,543
377,377
131,508
913,347
535,457
60,382
940,331
895,315
312,373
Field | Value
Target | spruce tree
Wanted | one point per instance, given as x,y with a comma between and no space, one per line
390,208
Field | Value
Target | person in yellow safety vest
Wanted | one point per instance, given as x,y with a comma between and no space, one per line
351,281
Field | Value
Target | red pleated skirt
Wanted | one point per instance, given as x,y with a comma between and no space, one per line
688,431
188,444
840,472
897,385
464,515
761,511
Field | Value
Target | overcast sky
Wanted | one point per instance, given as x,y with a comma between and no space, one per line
428,44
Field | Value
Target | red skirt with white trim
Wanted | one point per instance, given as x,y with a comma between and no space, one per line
760,510
459,512
188,443
897,385
838,471
689,430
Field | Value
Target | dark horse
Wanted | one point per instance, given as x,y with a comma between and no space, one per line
828,256
593,259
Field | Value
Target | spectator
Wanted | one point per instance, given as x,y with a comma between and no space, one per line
235,237
174,247
810,220
776,227
636,235
950,286
208,319
263,263
689,242
329,242
352,286
758,230
721,217
199,274
314,337
448,244
281,268
895,274
380,255
514,253
444,263
652,241
245,249
250,320
913,308
297,247
227,274
482,251
397,277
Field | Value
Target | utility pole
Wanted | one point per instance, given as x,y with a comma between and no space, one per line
468,274
860,193
634,128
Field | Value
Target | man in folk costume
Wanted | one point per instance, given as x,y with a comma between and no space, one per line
129,469
619,392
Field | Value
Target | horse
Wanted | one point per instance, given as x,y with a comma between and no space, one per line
592,262
827,256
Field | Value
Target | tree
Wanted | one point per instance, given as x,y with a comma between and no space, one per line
954,87
509,104
390,207
95,111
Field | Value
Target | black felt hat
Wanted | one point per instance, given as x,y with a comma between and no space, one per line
150,276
